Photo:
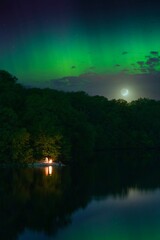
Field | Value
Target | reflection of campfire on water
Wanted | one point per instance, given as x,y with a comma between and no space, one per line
48,171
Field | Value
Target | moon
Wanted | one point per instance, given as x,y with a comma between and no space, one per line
124,92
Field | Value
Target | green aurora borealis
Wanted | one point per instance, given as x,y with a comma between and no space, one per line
55,41
39,56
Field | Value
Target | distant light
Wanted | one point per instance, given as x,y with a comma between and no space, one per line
47,160
124,92
50,170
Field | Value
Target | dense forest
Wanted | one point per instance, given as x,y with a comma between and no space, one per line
70,126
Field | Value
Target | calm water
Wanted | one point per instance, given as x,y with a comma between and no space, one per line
119,198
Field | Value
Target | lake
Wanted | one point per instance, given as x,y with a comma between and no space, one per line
115,197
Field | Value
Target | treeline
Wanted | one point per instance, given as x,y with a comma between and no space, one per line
35,123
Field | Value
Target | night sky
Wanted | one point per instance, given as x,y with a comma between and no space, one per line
98,46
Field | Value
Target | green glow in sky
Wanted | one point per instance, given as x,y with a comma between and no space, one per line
50,54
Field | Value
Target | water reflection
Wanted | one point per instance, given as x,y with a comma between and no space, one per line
48,170
117,219
33,202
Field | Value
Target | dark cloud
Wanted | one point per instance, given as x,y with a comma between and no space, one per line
154,52
151,63
124,53
92,68
144,70
125,70
89,73
135,69
141,63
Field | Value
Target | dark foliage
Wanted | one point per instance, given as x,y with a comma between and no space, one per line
35,123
